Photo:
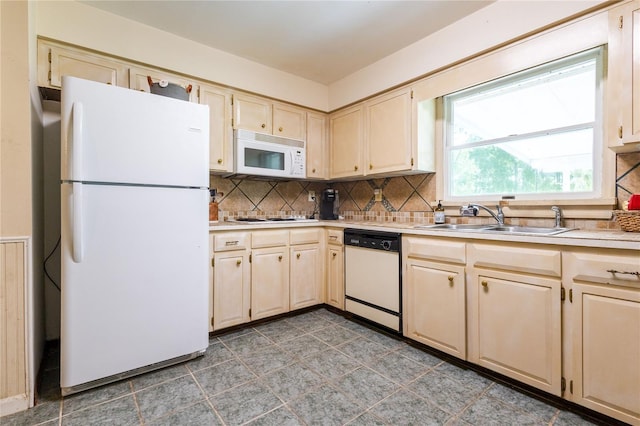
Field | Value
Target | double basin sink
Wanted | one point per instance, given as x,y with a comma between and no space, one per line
496,229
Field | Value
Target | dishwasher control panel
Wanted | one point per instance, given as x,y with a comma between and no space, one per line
376,240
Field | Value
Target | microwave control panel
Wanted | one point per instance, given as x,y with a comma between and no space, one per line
298,164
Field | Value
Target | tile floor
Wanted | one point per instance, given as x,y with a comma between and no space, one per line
316,368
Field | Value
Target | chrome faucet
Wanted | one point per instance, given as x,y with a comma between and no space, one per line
558,213
472,210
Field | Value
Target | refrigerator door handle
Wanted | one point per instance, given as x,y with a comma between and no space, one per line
76,224
76,145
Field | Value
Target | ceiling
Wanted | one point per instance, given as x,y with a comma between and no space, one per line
322,41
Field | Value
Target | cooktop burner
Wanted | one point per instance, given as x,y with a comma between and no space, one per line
271,219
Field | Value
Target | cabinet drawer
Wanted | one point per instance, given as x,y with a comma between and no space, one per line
334,236
231,241
434,249
269,238
514,258
616,267
305,236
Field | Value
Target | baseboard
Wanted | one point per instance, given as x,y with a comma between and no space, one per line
13,404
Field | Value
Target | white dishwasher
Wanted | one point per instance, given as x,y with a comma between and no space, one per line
372,276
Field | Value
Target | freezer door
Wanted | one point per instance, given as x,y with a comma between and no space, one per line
135,279
116,135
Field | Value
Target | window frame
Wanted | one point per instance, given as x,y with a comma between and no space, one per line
599,54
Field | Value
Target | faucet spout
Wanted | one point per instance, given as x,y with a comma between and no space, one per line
558,213
499,216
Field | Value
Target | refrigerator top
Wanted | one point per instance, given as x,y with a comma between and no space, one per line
115,135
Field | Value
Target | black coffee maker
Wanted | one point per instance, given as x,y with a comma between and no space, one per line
329,204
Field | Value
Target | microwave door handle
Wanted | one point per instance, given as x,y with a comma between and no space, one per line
291,171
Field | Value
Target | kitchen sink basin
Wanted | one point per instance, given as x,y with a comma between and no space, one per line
504,229
454,227
528,230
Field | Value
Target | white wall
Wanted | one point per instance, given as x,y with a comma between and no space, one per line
86,26
488,27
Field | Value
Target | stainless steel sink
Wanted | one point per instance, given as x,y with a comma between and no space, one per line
504,229
455,227
525,230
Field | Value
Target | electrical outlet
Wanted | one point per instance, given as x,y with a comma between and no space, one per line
377,194
312,195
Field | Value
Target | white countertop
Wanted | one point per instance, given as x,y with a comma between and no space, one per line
576,238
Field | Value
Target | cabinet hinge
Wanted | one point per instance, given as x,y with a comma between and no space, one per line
232,123
412,94
571,295
620,132
49,76
563,384
213,262
49,56
571,386
249,312
620,21
562,295
250,258
412,161
211,321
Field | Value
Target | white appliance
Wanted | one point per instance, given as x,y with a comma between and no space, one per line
134,225
258,154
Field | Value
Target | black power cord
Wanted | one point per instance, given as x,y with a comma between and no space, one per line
44,264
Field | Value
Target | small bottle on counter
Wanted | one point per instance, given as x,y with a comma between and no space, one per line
438,213
213,206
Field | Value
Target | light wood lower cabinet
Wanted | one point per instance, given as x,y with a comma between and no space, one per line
434,294
307,268
269,273
515,313
604,325
232,289
335,269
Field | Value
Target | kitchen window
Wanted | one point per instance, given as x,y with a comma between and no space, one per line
536,134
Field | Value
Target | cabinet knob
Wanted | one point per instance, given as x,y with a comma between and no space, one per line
279,129
219,160
355,168
238,262
263,125
485,284
450,278
298,256
280,258
313,170
370,166
334,254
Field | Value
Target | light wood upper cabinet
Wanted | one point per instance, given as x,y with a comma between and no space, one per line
265,116
138,80
54,61
346,143
220,134
252,113
316,146
603,323
623,81
388,133
515,313
289,121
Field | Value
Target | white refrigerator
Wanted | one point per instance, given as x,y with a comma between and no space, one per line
134,232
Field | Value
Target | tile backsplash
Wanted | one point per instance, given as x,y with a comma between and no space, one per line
404,198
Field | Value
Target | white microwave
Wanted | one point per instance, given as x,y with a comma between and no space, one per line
257,154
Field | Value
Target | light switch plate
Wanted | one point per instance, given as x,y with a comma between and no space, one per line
377,194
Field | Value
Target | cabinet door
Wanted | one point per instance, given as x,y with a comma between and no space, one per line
606,348
269,282
346,143
388,133
306,276
138,81
623,80
518,327
289,122
316,145
335,276
231,288
434,306
251,113
220,138
80,64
